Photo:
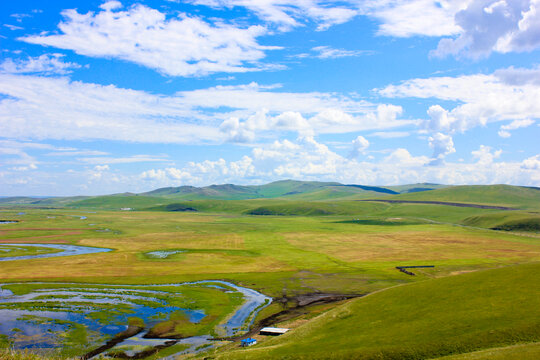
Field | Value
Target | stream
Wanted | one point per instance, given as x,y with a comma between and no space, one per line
46,314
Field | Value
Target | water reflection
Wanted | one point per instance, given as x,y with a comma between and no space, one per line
68,250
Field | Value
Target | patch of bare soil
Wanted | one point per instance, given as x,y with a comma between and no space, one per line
302,303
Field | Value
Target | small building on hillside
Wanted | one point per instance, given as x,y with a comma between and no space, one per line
247,342
273,331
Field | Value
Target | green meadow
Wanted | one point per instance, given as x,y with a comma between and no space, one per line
295,238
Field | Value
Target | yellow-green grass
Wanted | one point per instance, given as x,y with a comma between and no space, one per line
527,351
275,254
427,319
11,354
278,255
26,251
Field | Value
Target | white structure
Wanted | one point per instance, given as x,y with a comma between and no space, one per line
273,331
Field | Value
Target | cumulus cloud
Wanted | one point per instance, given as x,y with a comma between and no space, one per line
177,46
401,158
359,146
45,64
166,175
236,132
532,163
494,25
442,146
306,158
481,99
485,155
287,14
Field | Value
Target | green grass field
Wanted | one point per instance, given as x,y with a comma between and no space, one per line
423,320
284,247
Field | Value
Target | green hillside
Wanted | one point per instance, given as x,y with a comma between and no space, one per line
116,202
501,195
508,221
300,190
428,319
527,351
414,188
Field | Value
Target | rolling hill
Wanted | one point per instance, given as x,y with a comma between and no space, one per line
423,320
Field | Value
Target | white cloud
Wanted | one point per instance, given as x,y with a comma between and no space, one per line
359,146
111,5
44,64
494,25
287,14
122,160
236,131
37,107
307,159
406,18
75,152
390,134
484,155
504,134
481,99
166,175
293,121
519,76
516,124
55,108
24,168
13,27
402,158
102,167
327,52
442,146
532,163
178,46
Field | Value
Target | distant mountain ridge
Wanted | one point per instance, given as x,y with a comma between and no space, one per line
282,188
302,192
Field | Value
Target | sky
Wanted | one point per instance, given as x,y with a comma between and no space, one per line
101,97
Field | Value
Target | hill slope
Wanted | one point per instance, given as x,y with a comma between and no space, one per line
501,195
427,319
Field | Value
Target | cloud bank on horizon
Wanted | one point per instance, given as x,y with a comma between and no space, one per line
136,94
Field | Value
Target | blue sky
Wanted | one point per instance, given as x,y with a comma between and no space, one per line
122,96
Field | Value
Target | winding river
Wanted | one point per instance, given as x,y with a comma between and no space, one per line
36,325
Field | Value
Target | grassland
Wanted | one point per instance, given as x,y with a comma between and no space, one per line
292,245
427,319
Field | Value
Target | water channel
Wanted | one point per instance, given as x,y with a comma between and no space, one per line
43,313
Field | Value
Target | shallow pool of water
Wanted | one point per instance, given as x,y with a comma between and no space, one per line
163,254
104,311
